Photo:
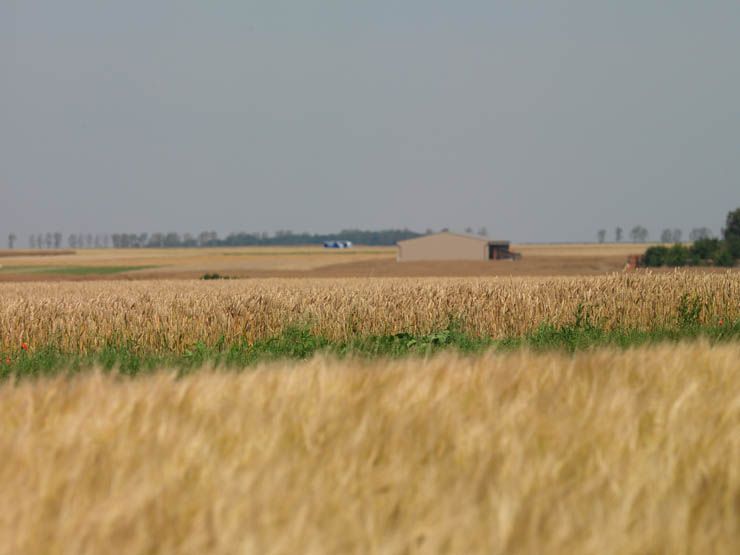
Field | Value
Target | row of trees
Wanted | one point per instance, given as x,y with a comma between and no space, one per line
54,240
704,250
639,234
211,239
46,240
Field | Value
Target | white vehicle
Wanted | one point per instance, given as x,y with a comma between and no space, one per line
337,244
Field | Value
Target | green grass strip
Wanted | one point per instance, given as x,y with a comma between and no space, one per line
72,270
298,343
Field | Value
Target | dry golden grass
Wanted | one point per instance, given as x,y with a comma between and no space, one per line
201,259
605,452
173,315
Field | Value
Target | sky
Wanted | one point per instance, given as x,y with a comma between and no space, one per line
542,121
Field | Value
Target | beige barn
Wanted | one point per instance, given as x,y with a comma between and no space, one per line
452,246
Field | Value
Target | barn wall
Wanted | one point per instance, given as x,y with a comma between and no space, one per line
442,247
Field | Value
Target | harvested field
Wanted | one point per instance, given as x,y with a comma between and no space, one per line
621,250
307,257
175,315
187,263
528,266
608,452
310,262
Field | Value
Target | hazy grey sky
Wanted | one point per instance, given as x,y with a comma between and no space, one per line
538,120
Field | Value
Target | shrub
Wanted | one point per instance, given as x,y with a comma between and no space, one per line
706,249
214,276
703,251
725,258
655,256
677,255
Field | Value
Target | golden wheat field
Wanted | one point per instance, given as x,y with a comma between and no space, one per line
174,315
609,452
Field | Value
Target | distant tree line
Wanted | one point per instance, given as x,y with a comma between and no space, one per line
640,234
46,241
211,239
384,237
704,251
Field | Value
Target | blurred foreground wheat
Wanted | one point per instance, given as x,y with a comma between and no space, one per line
160,315
604,452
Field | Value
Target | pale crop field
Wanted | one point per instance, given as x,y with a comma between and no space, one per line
203,260
609,452
174,315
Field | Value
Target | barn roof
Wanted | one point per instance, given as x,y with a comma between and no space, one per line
465,235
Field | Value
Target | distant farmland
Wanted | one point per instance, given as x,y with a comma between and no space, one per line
309,262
